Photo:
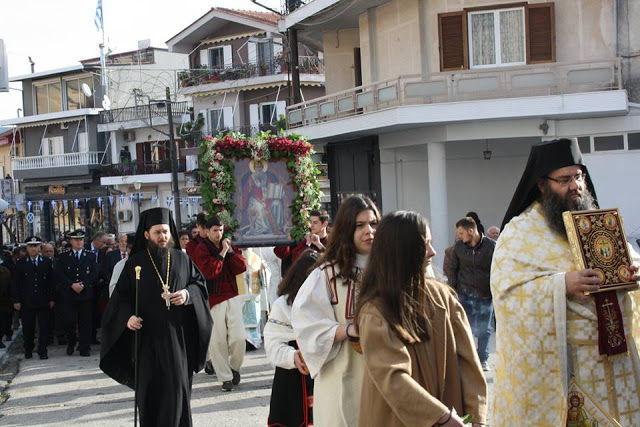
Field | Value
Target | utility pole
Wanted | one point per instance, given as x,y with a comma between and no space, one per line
174,165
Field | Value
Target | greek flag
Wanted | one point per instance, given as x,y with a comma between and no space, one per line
98,18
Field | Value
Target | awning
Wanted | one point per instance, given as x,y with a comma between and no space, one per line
252,87
232,37
51,122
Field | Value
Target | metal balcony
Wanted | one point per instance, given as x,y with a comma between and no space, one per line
142,112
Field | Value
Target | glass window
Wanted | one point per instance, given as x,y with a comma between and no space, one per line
585,144
216,119
265,52
55,98
42,99
266,113
633,141
73,95
216,58
608,143
496,37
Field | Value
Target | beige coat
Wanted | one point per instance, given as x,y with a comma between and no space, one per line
416,384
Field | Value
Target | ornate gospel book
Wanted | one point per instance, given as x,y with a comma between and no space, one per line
598,242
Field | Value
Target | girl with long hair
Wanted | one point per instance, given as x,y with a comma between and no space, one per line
421,363
292,390
323,312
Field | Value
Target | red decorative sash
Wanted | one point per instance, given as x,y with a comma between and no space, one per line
611,337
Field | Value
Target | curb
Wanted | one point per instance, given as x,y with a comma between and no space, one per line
4,352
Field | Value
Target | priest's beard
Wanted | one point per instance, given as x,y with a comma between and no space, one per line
158,251
553,205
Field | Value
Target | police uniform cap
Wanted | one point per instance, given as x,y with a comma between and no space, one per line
76,234
33,240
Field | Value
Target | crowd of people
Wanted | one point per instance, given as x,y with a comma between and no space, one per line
362,333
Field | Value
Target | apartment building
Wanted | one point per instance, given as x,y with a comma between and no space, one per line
433,105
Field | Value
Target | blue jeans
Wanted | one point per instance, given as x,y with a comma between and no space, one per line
479,315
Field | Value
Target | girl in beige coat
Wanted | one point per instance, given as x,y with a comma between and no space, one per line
421,367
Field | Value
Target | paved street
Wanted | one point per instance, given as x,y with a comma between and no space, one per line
71,390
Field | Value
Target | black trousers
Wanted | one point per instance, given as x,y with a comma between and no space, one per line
29,318
78,313
6,321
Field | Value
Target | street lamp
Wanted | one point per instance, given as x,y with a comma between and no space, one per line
137,186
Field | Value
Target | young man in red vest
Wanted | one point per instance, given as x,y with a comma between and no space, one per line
219,263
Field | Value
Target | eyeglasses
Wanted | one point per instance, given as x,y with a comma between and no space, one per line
565,181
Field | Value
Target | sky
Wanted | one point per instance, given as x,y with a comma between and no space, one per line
60,33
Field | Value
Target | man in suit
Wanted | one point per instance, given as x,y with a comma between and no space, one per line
32,294
112,258
77,276
98,247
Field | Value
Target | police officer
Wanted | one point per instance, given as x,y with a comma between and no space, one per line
33,293
77,275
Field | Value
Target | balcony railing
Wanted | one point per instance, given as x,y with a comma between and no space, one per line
277,65
195,137
455,86
143,168
142,112
56,160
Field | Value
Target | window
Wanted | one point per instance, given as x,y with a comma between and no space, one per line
267,113
216,119
497,36
76,98
48,97
52,146
633,141
216,57
585,144
265,52
608,143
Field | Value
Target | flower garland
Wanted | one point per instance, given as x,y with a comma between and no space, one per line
219,186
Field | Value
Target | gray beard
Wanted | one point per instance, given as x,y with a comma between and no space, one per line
553,206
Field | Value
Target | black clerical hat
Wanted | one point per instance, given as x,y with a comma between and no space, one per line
544,158
33,240
148,219
76,234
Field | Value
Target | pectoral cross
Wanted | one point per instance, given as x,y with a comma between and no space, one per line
166,296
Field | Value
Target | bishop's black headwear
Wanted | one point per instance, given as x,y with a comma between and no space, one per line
544,158
148,219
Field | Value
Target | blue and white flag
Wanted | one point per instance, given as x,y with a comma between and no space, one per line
154,199
65,203
29,203
98,18
41,204
76,203
122,196
99,202
111,200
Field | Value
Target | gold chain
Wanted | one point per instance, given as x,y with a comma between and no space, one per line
165,285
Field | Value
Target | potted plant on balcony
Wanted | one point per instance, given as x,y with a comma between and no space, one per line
262,69
184,77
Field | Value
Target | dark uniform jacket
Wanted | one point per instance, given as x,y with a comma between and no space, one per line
70,270
33,286
470,268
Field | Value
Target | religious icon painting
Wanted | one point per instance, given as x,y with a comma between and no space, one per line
264,194
624,273
584,224
610,221
584,411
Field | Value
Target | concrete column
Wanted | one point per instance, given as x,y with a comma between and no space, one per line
438,216
115,154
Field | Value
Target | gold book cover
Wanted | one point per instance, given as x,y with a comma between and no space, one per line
598,242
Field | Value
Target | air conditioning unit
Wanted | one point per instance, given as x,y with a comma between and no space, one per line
129,135
64,126
125,215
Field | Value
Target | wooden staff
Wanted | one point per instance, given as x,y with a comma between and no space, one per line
135,355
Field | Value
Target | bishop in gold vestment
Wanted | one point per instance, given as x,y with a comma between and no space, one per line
544,338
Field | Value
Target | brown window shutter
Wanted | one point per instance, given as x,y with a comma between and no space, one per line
541,35
452,32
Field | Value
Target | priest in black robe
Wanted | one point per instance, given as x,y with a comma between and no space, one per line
173,327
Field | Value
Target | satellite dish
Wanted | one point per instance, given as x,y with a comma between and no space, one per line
86,90
106,103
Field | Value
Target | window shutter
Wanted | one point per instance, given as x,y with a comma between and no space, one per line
204,57
254,118
541,43
253,55
205,115
452,32
228,56
227,116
